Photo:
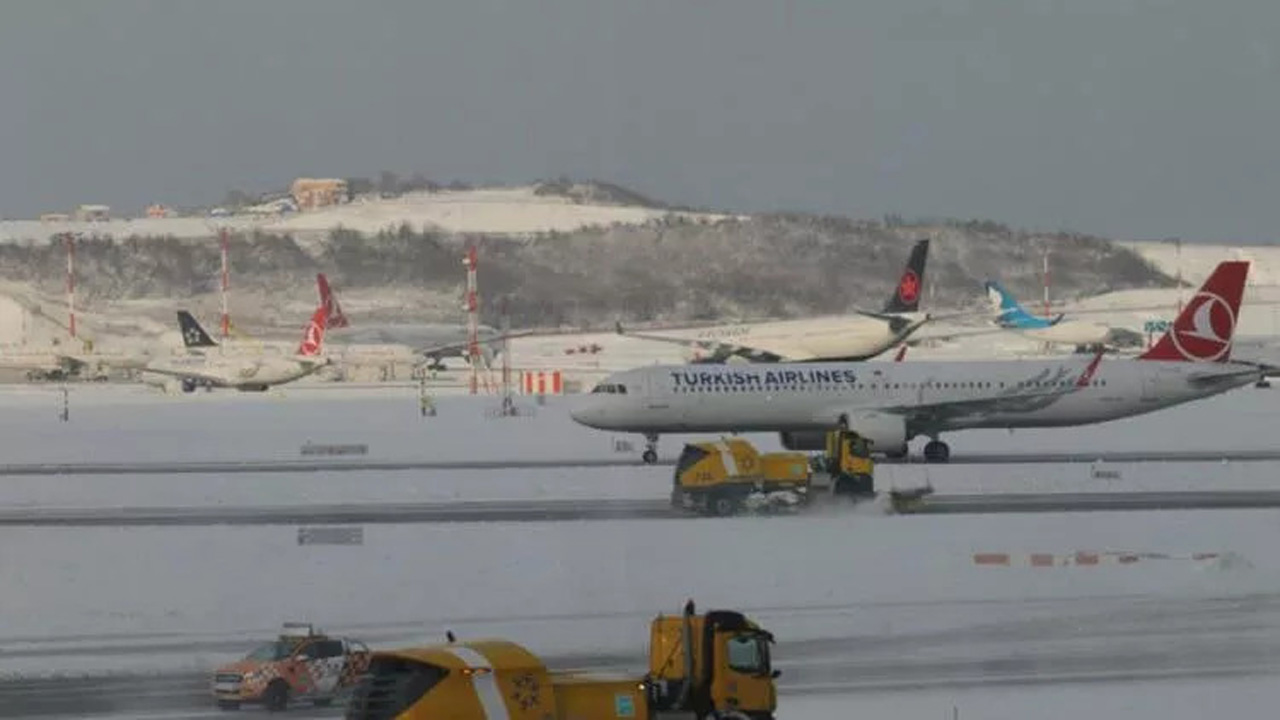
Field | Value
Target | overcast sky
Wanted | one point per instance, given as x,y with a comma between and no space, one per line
1124,118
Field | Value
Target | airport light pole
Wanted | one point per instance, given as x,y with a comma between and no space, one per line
473,318
226,315
1047,312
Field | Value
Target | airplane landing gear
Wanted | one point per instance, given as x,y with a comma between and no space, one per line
936,451
650,455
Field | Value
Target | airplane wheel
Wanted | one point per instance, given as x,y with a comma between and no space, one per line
936,451
650,457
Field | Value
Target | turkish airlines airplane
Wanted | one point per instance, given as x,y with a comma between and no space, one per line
245,371
891,403
859,336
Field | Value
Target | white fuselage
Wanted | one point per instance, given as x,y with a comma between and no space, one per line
1069,332
841,336
933,397
239,370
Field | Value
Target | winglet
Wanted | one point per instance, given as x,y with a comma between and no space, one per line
1090,370
330,303
1203,330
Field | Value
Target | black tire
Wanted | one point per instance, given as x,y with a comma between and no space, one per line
650,457
276,697
723,505
228,705
864,486
936,451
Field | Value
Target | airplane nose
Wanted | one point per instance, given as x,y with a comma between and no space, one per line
585,412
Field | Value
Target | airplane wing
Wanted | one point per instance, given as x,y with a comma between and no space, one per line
1214,379
434,350
719,351
1034,393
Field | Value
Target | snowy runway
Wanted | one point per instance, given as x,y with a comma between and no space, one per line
876,615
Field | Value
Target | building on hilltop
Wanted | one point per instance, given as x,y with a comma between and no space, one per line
311,193
93,213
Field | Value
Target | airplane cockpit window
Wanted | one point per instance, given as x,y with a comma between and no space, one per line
609,388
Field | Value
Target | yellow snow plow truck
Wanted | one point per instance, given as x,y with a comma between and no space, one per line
714,665
728,476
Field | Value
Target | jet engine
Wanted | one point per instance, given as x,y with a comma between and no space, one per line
887,433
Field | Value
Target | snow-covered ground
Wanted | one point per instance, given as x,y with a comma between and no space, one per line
80,600
1181,699
880,613
1196,261
134,423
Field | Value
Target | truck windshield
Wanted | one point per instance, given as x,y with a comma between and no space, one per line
270,651
749,654
688,459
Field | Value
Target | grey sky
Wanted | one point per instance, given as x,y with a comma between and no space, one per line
1137,119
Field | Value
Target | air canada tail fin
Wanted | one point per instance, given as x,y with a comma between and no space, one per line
906,296
329,302
313,336
1203,330
193,335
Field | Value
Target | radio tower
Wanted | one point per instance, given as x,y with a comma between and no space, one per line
70,241
473,318
508,403
1047,312
226,315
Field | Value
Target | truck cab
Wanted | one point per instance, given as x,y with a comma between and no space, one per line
700,666
848,464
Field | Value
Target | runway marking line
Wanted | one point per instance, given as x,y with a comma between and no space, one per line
1080,558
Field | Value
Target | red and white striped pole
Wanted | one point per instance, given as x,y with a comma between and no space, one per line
226,283
1047,313
70,242
473,319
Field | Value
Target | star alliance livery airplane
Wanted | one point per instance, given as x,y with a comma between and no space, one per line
891,403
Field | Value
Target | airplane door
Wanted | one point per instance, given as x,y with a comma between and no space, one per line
660,403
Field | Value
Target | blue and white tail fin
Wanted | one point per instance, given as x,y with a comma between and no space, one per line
1010,314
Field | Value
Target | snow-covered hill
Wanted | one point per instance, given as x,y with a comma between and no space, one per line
494,211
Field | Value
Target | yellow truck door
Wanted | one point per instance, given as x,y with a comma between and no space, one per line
744,675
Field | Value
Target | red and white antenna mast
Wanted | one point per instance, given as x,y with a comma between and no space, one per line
70,241
226,283
508,402
473,319
1047,312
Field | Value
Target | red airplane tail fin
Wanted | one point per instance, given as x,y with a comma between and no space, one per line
313,336
329,302
1203,330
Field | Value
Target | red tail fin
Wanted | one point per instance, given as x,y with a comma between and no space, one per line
313,337
329,302
1202,332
